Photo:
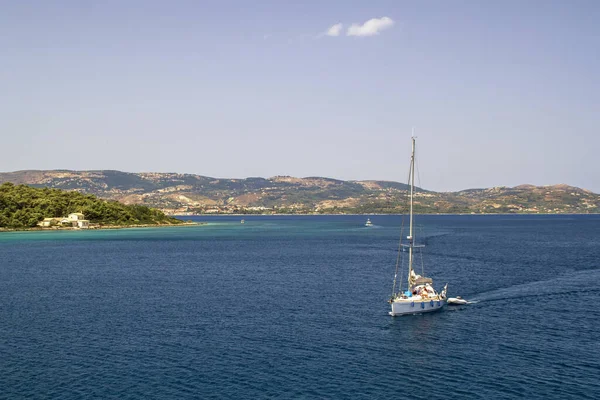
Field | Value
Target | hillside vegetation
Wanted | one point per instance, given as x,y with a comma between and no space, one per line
23,206
196,194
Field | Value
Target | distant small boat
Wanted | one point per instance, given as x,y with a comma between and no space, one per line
368,223
457,301
242,221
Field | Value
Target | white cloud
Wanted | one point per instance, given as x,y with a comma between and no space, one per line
370,28
335,30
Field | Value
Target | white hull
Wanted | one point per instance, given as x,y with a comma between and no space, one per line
406,307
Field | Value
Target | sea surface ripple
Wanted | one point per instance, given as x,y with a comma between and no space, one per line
295,307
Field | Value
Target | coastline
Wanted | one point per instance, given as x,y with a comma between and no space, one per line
379,214
198,223
97,228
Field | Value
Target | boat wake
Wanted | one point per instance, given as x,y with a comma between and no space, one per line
572,283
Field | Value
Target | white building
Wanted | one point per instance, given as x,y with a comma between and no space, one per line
76,220
47,222
76,216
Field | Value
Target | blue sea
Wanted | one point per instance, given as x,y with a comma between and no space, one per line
293,307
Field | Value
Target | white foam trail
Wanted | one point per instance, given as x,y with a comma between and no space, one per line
570,283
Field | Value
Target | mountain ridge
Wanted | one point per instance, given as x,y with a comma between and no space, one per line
181,193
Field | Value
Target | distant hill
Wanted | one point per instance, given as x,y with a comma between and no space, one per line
190,194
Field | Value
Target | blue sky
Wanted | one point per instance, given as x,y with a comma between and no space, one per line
500,93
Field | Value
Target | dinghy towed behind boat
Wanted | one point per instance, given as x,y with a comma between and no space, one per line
457,301
420,296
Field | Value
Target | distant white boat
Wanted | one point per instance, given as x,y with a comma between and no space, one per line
242,221
368,223
420,296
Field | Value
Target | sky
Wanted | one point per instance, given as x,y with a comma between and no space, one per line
500,93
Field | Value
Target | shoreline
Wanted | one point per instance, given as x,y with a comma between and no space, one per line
98,228
383,214
198,223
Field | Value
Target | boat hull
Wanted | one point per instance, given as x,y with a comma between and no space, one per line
416,307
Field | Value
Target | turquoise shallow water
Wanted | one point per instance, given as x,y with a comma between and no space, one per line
289,307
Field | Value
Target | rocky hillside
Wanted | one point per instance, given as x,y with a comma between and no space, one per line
190,194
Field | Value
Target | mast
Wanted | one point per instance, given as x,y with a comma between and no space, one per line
410,234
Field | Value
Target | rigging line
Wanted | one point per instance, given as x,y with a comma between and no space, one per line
421,252
401,273
398,262
417,166
422,263
398,258
406,209
420,228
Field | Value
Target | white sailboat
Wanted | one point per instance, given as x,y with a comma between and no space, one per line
420,296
